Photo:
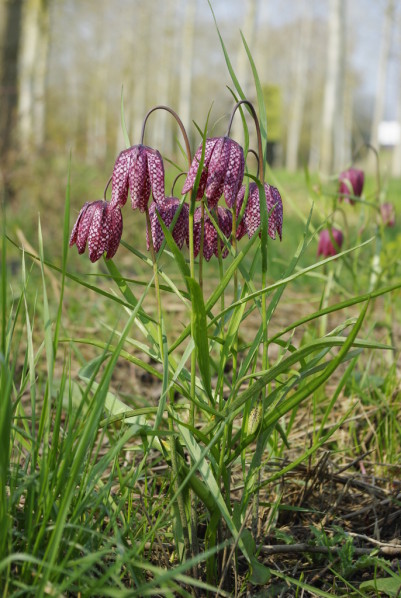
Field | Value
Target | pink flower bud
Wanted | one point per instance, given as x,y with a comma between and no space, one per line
351,184
330,242
387,212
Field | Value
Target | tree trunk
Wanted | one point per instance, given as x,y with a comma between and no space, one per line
381,81
298,95
333,106
185,67
10,33
243,66
32,74
396,165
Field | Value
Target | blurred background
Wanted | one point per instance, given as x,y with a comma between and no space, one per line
330,70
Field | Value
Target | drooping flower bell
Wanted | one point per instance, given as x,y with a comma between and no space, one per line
140,170
223,171
330,242
351,184
251,217
167,210
99,225
387,212
211,240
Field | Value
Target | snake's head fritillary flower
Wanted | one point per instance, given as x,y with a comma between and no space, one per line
167,210
99,225
274,209
241,228
351,184
223,171
387,212
330,242
140,170
211,240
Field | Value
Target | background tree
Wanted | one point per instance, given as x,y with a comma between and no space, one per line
333,107
10,33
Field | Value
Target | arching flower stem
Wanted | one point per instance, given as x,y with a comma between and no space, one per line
376,153
106,187
179,122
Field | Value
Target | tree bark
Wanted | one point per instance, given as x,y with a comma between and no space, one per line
298,96
381,81
333,106
186,63
10,33
33,59
396,165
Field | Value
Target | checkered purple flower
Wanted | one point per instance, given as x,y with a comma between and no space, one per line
251,219
351,184
330,242
167,210
99,225
223,171
211,240
140,170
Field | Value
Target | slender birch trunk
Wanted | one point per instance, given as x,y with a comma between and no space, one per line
333,97
186,65
10,33
32,72
299,92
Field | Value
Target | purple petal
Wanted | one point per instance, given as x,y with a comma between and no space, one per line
120,179
139,180
241,228
116,229
156,174
85,225
74,232
234,173
217,171
191,176
98,235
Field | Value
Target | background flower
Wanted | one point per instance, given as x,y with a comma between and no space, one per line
351,183
330,242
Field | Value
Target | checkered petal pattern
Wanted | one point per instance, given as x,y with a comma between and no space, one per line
211,240
241,228
223,171
274,206
167,210
120,178
139,170
98,226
